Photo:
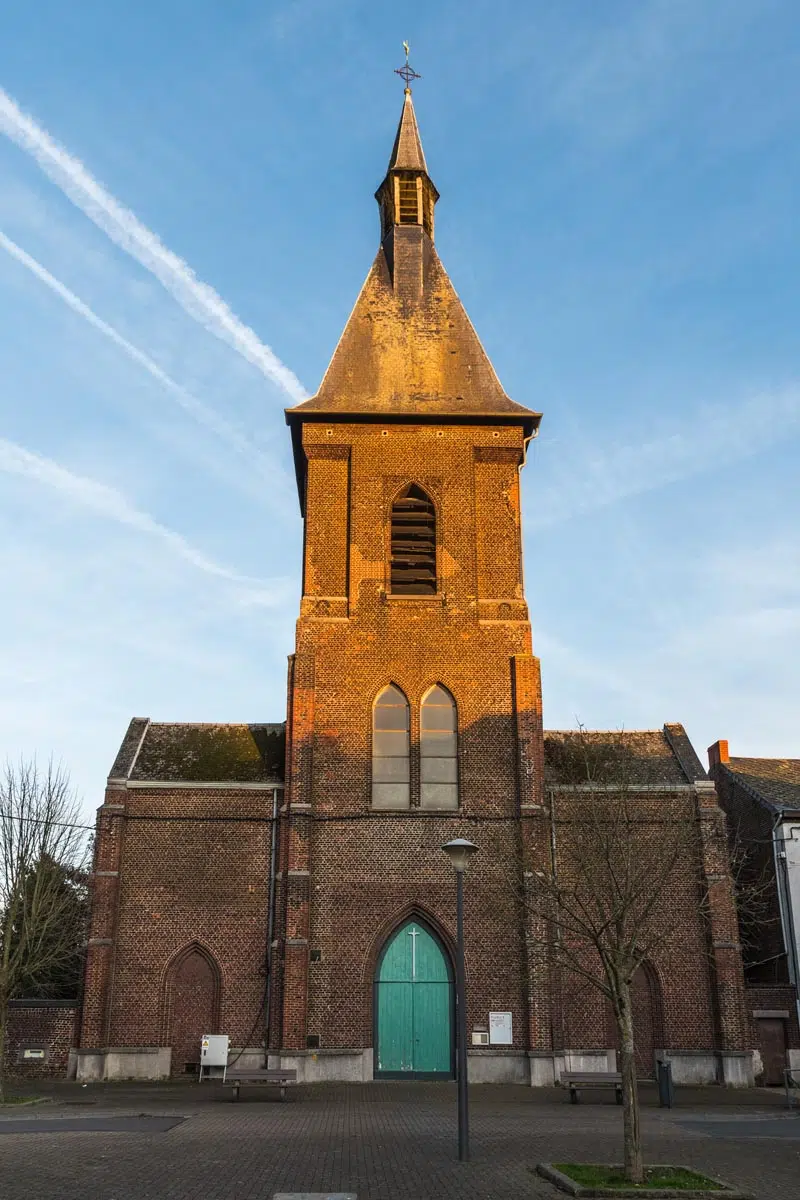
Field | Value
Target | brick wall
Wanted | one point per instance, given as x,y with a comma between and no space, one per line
51,1026
193,879
681,964
352,875
750,825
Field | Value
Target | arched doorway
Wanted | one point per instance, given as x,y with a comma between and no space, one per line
413,1007
648,1035
192,1006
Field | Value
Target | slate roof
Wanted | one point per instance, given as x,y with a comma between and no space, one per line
160,752
407,153
411,361
637,757
775,780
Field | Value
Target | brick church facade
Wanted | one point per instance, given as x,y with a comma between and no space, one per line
285,883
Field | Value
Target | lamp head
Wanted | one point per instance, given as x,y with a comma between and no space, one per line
459,851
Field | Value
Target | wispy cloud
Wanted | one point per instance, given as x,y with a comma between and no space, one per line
628,74
125,229
717,433
201,412
112,505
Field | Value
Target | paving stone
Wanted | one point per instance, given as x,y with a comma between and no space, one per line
389,1140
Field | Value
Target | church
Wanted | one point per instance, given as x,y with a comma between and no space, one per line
284,883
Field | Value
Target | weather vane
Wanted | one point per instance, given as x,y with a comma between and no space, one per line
407,72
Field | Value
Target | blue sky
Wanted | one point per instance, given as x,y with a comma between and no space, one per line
619,214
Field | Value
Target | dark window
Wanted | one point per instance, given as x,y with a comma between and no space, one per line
413,569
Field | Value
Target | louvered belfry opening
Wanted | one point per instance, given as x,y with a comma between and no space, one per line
408,200
413,565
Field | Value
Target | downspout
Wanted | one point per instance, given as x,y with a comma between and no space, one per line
556,1034
271,920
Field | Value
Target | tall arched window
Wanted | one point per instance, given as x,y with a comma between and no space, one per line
413,565
390,758
438,748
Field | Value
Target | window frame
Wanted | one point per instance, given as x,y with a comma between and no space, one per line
381,783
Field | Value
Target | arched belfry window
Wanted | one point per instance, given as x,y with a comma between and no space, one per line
438,749
413,564
390,750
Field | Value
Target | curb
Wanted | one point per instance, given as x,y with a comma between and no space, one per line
723,1191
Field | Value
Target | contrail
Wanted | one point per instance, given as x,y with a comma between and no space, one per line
127,231
201,412
111,504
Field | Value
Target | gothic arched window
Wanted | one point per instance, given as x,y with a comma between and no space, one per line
390,750
413,561
438,750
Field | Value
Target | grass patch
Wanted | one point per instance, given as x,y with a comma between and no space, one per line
597,1175
21,1100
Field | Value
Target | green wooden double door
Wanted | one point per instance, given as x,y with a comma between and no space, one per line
413,1007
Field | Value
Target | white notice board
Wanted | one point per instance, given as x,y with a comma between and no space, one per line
500,1033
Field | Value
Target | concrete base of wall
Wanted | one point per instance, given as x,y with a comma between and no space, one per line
793,1060
689,1067
537,1068
692,1068
497,1066
737,1068
325,1066
123,1062
248,1058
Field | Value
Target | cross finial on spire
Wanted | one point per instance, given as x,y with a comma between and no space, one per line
407,72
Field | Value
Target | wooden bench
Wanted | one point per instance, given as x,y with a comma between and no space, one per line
260,1075
575,1080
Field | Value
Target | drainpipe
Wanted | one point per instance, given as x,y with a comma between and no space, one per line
555,1033
271,921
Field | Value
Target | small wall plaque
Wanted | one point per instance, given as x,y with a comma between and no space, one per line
500,1029
29,1052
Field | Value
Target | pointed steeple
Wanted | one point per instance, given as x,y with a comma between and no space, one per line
409,352
407,153
407,194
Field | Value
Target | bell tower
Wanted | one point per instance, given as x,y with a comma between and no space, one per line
414,711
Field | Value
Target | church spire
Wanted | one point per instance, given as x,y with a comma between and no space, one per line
407,194
407,153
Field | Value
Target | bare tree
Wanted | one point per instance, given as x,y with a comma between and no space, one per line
598,906
42,861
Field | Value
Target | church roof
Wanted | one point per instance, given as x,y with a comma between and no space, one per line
407,153
409,350
644,758
167,752
403,361
774,780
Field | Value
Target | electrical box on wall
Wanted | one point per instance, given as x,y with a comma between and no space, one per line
480,1037
214,1055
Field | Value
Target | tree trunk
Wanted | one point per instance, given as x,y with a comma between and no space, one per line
632,1138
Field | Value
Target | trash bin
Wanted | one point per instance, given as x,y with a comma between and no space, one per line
665,1087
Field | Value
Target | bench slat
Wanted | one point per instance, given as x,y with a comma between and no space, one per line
262,1075
592,1077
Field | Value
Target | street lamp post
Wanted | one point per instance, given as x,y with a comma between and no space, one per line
459,851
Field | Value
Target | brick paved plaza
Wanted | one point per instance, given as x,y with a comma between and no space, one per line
381,1141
